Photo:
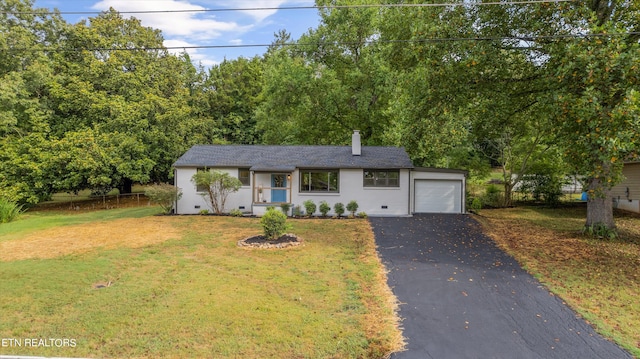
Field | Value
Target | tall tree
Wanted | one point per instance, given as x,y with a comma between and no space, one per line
233,89
116,79
431,91
25,71
567,71
329,84
598,99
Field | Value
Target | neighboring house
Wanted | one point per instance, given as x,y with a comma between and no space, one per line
626,195
381,179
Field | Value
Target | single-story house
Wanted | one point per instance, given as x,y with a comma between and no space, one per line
382,180
626,195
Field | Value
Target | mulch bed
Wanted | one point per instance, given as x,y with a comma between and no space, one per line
284,241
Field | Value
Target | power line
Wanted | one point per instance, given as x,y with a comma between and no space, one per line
294,44
466,4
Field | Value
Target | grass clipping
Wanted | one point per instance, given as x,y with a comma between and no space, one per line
76,239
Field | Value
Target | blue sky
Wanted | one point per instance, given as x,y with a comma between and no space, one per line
206,28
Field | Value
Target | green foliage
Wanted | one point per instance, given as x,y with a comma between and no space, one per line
334,82
309,207
163,194
285,208
9,211
492,197
547,188
324,208
218,185
236,212
352,207
600,231
476,205
274,223
235,92
338,208
204,212
296,212
362,215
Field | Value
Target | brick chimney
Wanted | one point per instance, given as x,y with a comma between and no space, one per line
356,146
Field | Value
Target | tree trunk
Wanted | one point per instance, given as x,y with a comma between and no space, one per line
599,205
508,194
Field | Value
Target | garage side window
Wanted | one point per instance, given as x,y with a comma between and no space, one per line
244,176
381,178
201,188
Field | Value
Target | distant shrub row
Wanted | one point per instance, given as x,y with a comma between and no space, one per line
310,208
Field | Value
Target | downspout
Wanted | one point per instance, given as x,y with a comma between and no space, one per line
253,189
410,192
464,194
175,184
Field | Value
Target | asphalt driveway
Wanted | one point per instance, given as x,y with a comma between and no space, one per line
462,297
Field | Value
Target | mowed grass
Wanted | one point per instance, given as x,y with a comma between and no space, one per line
187,290
600,279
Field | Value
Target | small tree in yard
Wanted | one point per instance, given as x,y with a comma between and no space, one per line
352,207
217,186
339,209
164,195
274,223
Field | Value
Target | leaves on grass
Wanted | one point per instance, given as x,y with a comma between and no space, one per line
597,278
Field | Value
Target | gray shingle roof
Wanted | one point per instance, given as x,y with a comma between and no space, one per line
287,158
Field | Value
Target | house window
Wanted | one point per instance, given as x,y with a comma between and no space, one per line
243,176
319,181
381,178
200,188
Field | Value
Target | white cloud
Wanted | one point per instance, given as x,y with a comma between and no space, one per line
200,28
199,25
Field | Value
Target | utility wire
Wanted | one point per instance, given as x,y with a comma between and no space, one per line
523,2
294,44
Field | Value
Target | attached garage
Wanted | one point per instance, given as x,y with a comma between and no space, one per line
438,190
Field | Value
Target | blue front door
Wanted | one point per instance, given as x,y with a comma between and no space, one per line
278,181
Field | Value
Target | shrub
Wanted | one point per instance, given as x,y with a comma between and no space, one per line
544,187
274,223
339,209
600,230
493,197
204,211
476,205
285,208
324,208
297,211
309,207
236,213
362,215
352,207
9,211
164,195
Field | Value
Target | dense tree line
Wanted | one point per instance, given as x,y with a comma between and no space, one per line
546,88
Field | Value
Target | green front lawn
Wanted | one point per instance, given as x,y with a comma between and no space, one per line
188,291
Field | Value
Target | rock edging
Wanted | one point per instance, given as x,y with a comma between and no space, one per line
284,241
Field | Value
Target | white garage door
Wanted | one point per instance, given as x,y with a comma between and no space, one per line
438,196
